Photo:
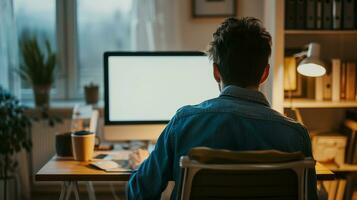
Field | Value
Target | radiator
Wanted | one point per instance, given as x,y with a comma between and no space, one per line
43,141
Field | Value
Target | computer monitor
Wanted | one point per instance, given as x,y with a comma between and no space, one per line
143,90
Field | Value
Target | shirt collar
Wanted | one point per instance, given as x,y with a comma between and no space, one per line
245,94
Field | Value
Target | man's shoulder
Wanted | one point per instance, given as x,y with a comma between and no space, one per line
288,121
209,105
219,107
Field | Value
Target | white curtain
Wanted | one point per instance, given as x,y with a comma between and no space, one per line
9,61
155,25
8,48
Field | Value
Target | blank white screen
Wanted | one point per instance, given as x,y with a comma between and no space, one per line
152,88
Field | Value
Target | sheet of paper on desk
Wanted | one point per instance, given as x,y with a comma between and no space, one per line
118,155
119,170
112,165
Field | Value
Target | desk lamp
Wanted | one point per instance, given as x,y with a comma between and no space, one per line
311,66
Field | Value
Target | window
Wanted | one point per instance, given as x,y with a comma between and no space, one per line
101,26
36,17
82,32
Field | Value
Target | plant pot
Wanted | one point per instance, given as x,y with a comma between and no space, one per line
42,95
91,94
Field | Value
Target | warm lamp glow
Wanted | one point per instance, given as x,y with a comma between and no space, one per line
312,65
311,69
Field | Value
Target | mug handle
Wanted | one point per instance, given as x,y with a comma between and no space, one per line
97,141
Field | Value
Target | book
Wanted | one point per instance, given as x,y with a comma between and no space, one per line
319,14
290,14
290,79
327,14
336,76
336,14
300,14
309,87
348,14
350,81
343,81
319,89
327,85
310,14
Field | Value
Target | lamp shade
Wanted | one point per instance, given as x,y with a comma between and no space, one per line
312,65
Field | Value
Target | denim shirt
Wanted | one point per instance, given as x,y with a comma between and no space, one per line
239,119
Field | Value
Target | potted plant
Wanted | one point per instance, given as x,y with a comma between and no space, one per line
37,68
91,92
14,136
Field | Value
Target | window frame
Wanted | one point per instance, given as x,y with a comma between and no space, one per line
67,80
27,93
66,34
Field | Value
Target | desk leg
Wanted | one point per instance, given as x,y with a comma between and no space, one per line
63,191
111,184
76,189
90,189
67,188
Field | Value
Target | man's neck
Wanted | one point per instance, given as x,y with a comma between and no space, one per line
256,88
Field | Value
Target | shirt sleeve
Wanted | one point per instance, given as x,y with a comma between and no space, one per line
152,176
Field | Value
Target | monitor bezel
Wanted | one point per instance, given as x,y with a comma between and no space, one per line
108,54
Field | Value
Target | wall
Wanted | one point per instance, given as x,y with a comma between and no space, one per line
195,34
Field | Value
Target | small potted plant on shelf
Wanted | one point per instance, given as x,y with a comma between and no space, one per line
37,68
91,92
15,129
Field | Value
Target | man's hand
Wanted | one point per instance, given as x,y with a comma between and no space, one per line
137,157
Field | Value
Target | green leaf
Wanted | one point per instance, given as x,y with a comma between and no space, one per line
37,67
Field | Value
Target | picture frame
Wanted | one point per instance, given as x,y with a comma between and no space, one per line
214,8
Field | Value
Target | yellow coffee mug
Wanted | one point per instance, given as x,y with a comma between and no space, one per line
83,145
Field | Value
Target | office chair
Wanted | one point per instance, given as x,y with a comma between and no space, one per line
221,174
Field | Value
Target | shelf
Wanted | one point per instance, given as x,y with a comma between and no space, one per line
311,103
342,168
329,32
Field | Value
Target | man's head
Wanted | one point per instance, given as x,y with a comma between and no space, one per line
240,51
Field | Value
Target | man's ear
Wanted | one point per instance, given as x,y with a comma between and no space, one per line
265,74
216,73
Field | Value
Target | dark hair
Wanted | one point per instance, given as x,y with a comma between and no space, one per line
241,48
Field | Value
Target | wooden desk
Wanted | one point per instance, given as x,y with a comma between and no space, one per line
58,169
70,171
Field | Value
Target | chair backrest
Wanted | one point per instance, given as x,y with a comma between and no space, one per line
222,174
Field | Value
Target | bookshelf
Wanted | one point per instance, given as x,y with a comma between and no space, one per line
334,44
311,103
342,168
319,32
322,116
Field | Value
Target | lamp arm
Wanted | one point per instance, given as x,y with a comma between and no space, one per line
300,54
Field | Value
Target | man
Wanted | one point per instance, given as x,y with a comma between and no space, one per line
239,119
